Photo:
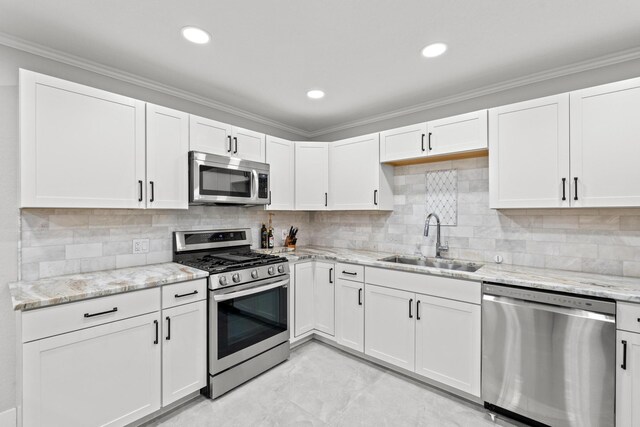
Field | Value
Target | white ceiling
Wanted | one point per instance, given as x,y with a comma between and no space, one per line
365,54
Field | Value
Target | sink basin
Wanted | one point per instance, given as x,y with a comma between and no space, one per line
435,263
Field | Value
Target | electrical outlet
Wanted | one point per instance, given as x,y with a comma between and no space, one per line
140,246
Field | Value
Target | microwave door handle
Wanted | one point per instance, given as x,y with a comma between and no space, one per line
251,291
256,184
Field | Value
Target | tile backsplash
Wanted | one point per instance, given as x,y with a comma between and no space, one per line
606,241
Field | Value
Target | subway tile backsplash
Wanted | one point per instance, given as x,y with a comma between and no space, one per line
607,241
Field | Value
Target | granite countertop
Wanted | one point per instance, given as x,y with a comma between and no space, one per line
75,287
596,285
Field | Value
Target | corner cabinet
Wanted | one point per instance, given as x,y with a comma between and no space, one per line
311,175
357,180
324,297
281,158
211,136
314,298
80,147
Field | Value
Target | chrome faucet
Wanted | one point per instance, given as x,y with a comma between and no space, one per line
439,247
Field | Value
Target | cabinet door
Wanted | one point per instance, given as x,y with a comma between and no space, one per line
80,147
209,136
167,158
324,297
448,342
389,325
350,314
354,181
529,154
248,145
408,142
628,380
281,158
312,179
108,375
465,132
605,146
184,350
303,296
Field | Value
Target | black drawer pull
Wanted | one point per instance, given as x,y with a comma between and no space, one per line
624,355
349,273
575,188
168,328
360,296
430,142
153,192
101,313
326,198
423,141
410,307
186,295
375,197
330,274
155,322
235,150
140,196
564,185
418,310
229,150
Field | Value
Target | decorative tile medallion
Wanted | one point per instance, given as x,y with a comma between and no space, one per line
442,195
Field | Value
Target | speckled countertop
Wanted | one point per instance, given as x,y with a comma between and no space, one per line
75,287
613,287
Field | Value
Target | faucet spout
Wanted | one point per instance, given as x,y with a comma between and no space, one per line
439,247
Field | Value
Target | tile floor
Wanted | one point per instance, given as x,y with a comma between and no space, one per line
323,386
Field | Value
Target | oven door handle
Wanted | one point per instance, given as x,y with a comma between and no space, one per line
250,291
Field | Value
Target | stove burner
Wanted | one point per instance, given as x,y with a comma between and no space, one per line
216,263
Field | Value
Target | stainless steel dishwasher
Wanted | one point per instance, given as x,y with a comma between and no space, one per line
548,357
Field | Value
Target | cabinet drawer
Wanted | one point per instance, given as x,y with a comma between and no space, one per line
628,316
45,322
182,293
350,272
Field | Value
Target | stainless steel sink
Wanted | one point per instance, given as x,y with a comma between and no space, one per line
443,264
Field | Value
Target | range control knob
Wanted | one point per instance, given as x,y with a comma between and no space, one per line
223,280
254,274
236,277
271,271
281,269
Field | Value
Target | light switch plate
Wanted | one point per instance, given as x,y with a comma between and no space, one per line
140,246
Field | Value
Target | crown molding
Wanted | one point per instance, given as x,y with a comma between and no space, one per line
115,73
591,64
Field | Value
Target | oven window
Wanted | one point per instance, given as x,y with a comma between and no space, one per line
216,181
245,321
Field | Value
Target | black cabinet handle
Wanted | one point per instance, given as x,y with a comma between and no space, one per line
269,197
418,310
101,313
153,191
235,139
564,188
140,189
330,274
349,273
375,197
410,307
423,142
186,295
229,150
325,198
155,322
430,141
360,296
168,328
575,187
624,355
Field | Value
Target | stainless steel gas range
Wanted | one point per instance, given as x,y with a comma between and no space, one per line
248,325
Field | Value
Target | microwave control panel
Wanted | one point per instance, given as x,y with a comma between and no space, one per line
263,186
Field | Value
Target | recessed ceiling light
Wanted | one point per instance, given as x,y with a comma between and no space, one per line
433,50
315,94
196,35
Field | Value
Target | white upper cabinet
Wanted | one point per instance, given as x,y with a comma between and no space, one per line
605,145
210,136
167,158
529,154
408,142
465,132
311,177
281,157
80,147
357,180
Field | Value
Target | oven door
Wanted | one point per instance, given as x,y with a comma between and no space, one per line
217,179
247,321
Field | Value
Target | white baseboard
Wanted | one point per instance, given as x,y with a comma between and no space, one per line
8,418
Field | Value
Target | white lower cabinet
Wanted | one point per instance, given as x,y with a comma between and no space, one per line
304,310
628,375
184,350
390,325
350,314
314,298
448,342
324,297
107,375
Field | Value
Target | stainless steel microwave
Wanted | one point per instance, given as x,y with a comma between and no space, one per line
216,180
